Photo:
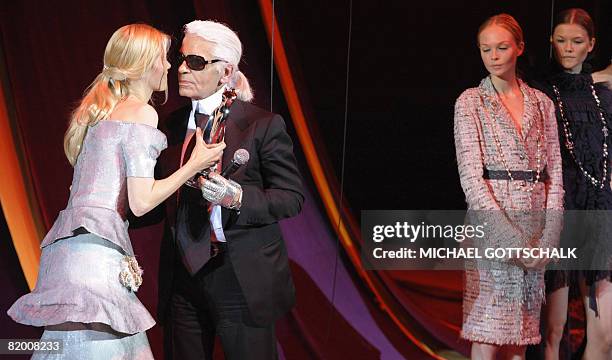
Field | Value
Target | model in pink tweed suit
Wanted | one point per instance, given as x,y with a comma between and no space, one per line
502,302
484,320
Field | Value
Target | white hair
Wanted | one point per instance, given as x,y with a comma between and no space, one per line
227,48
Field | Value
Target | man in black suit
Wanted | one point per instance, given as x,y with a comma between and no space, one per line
224,268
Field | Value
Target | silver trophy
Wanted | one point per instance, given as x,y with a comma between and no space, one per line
216,135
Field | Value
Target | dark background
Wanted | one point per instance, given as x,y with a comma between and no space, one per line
409,61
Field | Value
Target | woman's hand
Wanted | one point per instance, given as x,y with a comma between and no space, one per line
535,262
204,155
604,76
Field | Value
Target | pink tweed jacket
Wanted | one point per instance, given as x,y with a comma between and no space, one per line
502,302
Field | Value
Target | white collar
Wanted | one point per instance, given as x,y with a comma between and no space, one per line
205,106
209,104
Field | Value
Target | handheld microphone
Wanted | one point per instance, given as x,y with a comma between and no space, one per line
241,157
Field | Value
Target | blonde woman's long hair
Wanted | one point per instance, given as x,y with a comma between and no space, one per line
131,51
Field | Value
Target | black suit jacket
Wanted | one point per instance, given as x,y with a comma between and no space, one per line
272,191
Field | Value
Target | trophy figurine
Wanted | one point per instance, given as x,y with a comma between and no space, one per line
217,133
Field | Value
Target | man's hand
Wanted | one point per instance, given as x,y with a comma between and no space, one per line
221,191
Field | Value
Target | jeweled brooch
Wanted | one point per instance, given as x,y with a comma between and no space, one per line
131,274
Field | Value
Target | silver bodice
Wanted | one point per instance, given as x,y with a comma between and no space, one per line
111,152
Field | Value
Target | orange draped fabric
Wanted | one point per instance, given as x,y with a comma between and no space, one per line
339,217
20,210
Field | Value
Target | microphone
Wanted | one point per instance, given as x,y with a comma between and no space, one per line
241,157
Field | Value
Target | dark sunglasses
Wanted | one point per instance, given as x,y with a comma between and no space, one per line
195,62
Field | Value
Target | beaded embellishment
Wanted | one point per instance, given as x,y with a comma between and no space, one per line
494,107
569,139
131,274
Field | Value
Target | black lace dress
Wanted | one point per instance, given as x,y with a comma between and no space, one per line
583,115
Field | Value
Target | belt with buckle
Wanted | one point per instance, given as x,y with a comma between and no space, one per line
524,175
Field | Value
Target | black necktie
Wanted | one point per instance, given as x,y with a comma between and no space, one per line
192,223
202,122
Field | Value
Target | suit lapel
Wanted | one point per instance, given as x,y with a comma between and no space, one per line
176,129
235,138
530,111
235,126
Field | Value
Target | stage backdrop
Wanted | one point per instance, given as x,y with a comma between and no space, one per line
377,99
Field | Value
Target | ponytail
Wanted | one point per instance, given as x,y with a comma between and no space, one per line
242,86
99,101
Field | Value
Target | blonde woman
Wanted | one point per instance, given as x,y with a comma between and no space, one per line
85,293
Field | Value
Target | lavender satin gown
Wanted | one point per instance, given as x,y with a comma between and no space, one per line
83,253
